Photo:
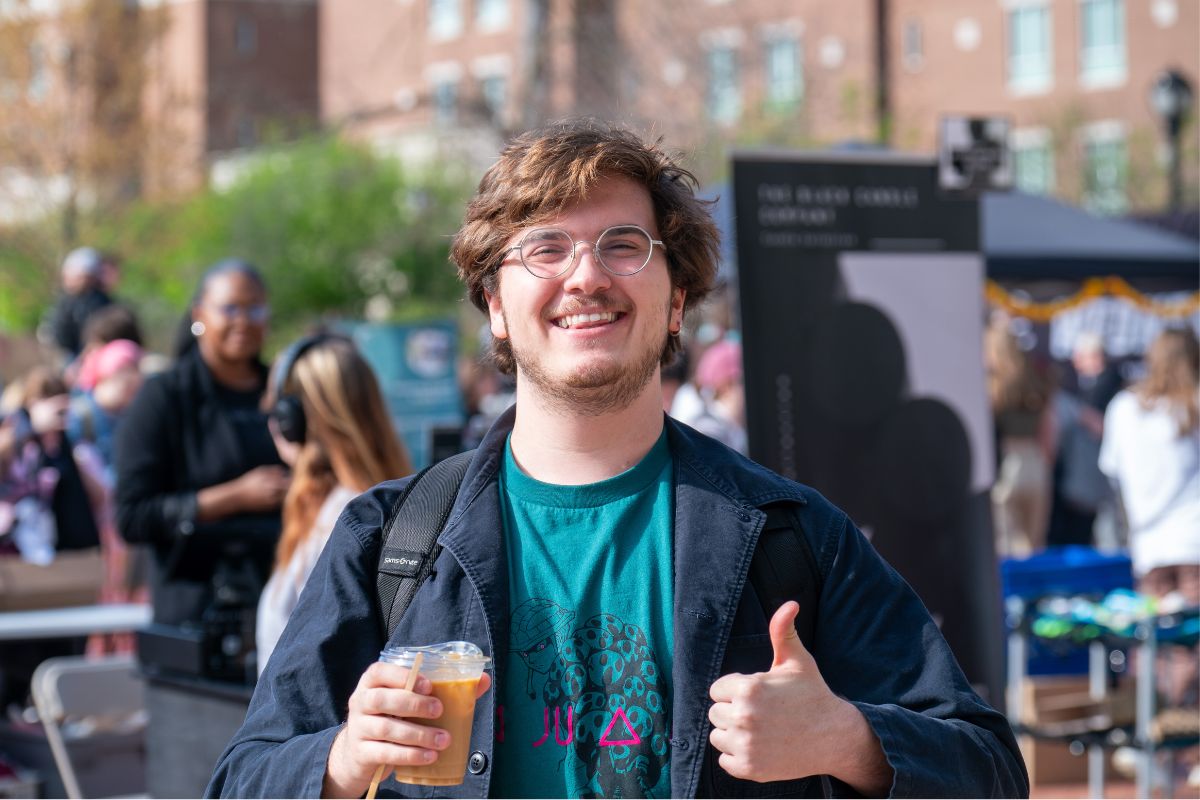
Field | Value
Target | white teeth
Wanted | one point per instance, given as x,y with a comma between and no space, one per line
578,319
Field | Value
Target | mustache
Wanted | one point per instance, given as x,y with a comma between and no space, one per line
591,303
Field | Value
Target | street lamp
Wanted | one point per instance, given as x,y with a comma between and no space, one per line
1171,98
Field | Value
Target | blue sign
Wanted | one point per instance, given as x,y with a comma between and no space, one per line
416,367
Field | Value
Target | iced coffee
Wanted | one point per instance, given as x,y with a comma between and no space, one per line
454,669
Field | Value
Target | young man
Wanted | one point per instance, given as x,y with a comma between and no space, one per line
598,552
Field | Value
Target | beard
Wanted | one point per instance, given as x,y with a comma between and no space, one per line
595,388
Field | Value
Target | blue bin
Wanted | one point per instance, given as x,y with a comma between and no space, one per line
1066,571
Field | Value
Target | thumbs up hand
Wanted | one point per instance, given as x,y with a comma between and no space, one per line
786,723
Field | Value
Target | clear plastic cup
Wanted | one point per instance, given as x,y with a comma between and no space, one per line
454,669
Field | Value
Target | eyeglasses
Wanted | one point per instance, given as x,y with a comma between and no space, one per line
621,250
257,314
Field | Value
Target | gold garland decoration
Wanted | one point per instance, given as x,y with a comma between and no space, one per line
1092,288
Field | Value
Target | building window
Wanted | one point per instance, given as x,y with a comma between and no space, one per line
724,93
39,74
1106,172
913,45
1033,166
445,18
1030,67
245,36
1102,42
445,102
491,15
494,89
247,132
784,77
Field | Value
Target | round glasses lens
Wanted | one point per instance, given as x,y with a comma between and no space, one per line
624,250
546,253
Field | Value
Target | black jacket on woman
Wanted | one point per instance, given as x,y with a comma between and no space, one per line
182,433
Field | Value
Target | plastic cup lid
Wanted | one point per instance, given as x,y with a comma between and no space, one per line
446,654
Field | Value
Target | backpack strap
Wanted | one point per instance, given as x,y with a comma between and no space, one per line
784,568
409,547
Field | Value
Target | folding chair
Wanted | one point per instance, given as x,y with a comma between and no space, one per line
110,692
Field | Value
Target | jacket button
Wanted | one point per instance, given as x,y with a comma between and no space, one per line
477,763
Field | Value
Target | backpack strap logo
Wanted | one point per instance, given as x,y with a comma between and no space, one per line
409,547
402,563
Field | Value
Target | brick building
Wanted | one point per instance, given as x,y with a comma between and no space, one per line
208,77
425,74
1072,75
227,75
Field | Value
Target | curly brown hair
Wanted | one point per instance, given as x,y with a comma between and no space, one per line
543,172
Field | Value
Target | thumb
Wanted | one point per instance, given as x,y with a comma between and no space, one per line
784,639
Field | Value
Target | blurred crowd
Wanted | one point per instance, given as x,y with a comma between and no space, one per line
1099,456
202,482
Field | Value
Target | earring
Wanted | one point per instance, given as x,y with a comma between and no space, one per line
197,328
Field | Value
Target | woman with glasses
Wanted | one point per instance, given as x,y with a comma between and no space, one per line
198,476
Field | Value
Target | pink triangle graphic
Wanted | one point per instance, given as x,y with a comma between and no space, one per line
619,714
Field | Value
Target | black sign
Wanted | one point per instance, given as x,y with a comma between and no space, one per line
861,306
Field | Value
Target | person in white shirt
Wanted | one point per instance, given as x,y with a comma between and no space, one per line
332,428
1151,448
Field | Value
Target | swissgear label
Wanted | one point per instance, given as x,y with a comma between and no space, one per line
401,562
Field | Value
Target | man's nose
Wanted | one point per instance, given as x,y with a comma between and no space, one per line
586,276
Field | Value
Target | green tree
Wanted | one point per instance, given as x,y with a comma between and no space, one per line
335,229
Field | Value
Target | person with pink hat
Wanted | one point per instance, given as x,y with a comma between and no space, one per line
721,413
109,378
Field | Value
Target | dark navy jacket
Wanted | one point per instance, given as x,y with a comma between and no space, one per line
875,643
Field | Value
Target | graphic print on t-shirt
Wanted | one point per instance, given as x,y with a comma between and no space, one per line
598,691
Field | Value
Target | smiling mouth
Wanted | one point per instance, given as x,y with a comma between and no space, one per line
592,320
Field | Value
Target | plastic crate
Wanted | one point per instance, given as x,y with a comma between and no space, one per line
1065,571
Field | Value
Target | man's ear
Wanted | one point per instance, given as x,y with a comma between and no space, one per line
496,315
678,295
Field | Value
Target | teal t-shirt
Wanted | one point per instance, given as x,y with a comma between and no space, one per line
584,711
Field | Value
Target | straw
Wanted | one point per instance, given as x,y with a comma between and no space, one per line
413,672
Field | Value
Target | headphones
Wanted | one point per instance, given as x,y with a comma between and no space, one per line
288,410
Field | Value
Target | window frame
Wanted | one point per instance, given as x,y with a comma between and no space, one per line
488,19
1093,137
1094,75
1026,141
445,19
723,100
245,36
1017,79
772,99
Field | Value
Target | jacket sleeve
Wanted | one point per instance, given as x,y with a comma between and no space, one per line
332,636
148,508
877,646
